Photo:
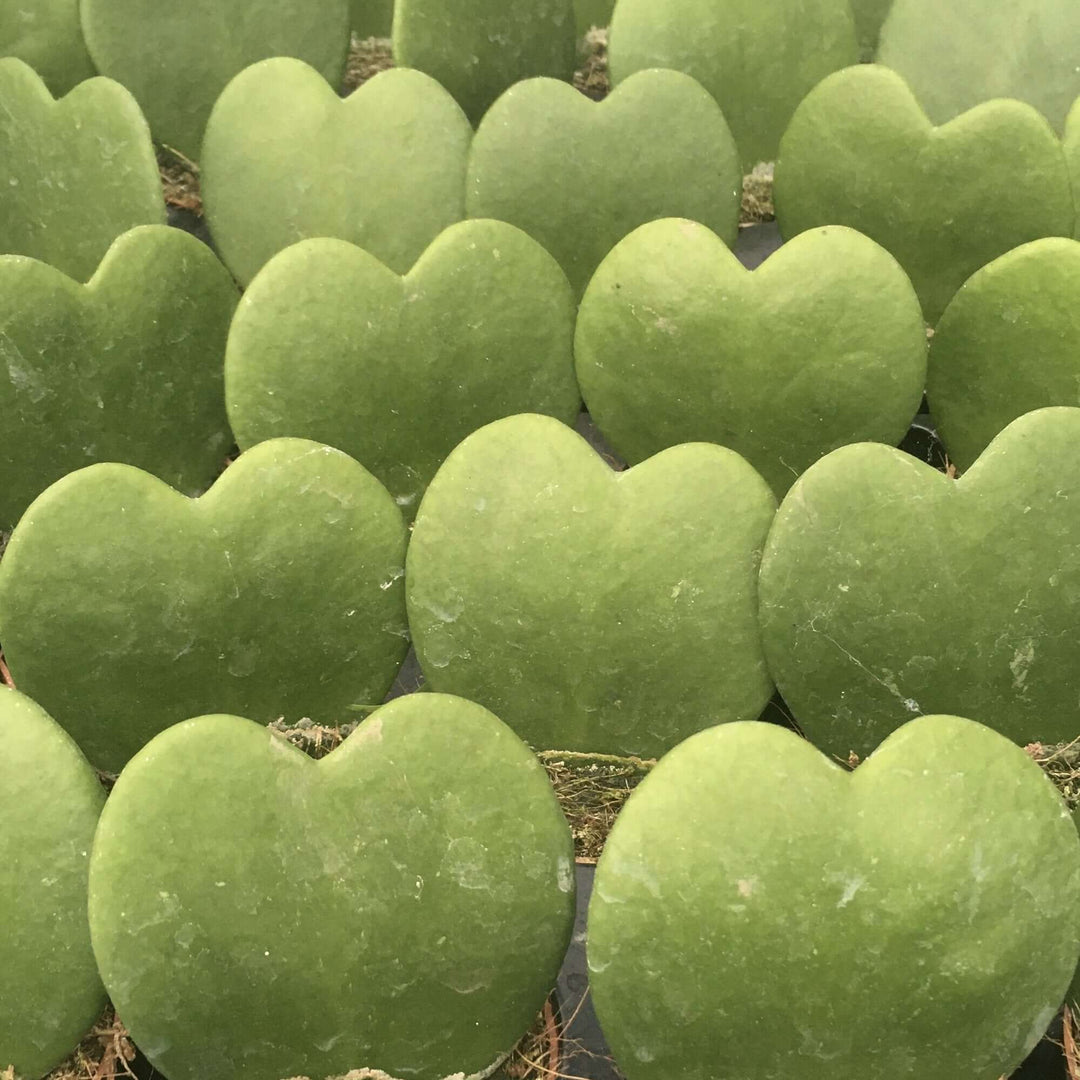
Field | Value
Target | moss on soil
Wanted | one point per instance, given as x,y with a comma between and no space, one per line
105,1054
180,181
1061,763
757,198
592,77
367,57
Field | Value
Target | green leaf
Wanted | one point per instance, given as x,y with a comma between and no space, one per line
330,344
478,48
74,173
591,172
758,58
888,590
823,345
402,905
285,159
944,200
1008,344
127,368
592,610
760,910
126,607
50,799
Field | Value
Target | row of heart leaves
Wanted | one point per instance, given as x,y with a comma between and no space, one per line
754,59
592,610
389,168
153,363
403,906
871,361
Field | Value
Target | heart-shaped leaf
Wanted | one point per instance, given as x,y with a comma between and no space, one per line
48,36
758,58
945,201
957,55
177,59
50,799
402,905
592,610
477,48
127,368
888,589
591,172
125,607
758,906
1009,343
823,345
286,159
331,345
74,173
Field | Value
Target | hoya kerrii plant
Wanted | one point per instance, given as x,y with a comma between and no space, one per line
91,148
822,345
761,910
125,368
126,607
177,60
286,159
50,799
330,344
585,596
860,151
399,908
889,590
590,172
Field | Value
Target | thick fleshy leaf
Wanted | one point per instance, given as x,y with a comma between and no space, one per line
592,610
944,200
372,18
126,607
888,590
127,368
478,48
760,907
869,18
821,346
957,54
1009,343
331,345
758,58
50,799
591,172
402,905
47,34
74,173
285,159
